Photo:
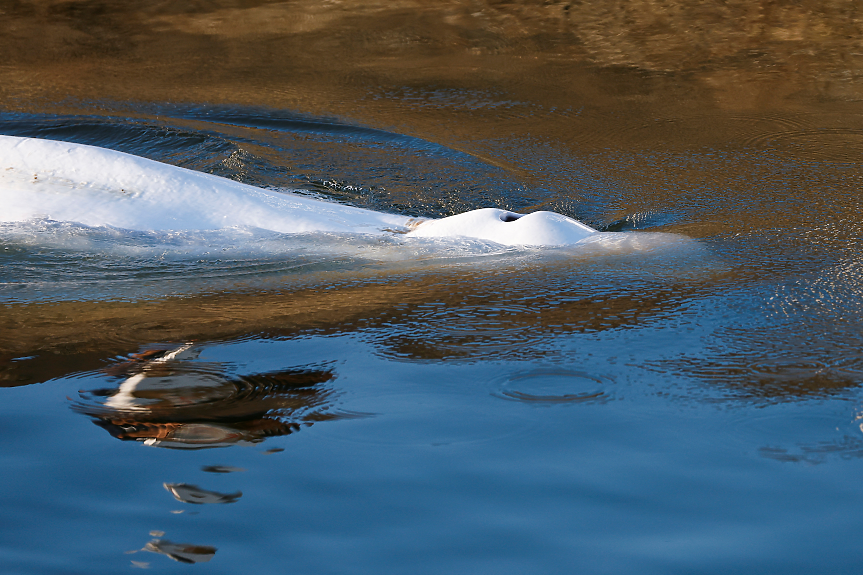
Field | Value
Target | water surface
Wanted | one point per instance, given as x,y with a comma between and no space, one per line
251,401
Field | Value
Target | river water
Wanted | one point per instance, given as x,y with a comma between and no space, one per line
687,403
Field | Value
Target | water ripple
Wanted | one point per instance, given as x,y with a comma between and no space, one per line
553,386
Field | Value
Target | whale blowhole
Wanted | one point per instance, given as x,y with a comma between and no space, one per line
509,217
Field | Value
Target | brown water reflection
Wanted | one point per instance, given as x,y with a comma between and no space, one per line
648,59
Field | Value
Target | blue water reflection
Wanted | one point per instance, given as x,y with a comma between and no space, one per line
446,463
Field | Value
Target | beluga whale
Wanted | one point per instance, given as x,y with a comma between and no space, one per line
93,186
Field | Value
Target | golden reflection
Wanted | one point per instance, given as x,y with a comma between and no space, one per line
642,58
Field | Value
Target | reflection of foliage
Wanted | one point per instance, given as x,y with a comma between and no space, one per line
170,400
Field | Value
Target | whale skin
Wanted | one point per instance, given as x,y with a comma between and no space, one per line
92,186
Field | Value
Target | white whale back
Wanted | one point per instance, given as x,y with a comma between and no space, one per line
61,181
98,187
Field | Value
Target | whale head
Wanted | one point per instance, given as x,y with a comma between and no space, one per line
507,228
